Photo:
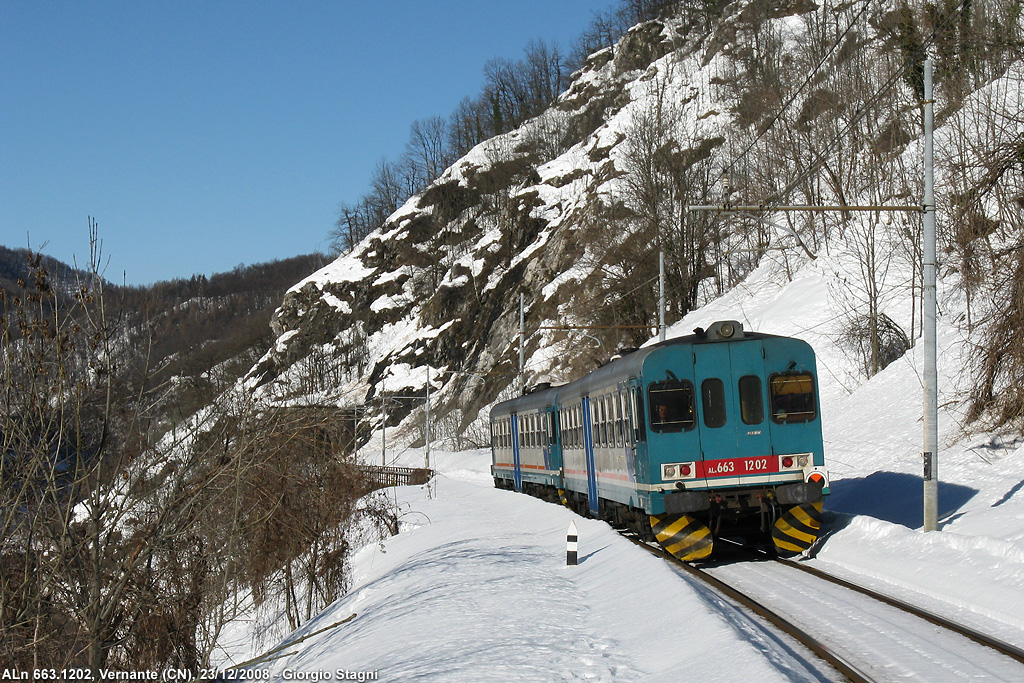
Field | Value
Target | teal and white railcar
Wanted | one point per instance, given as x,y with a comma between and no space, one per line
712,434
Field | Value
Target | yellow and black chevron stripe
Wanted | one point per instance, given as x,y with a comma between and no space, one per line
562,497
682,535
797,528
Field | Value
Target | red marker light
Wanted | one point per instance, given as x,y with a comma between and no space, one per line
787,461
684,470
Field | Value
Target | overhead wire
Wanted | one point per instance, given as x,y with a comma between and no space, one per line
863,110
796,93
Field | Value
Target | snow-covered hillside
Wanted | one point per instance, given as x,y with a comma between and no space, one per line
571,209
474,587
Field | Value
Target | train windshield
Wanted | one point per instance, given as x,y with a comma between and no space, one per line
792,397
671,406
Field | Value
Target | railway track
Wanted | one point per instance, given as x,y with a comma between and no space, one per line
1011,651
848,670
851,663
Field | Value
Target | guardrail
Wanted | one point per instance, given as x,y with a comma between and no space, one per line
378,476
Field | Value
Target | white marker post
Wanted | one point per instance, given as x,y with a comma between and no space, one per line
571,545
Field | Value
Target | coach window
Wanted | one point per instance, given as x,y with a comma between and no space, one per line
616,402
712,394
609,428
579,426
751,403
611,420
792,398
627,398
570,429
671,405
606,421
636,411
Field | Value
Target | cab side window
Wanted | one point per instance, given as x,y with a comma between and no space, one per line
792,397
671,406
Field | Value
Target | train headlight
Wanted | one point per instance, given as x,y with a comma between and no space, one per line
678,470
727,330
796,461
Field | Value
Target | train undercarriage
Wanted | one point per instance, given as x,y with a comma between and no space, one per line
786,524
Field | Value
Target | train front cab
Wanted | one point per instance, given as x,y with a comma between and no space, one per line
734,440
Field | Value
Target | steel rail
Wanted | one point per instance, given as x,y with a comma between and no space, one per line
848,670
1005,648
1001,646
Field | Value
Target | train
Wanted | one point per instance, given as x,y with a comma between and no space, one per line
702,437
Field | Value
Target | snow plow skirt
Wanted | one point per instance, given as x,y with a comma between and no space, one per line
683,536
797,529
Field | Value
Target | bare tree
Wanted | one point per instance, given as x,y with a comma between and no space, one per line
427,149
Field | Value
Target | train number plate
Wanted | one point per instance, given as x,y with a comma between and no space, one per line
736,467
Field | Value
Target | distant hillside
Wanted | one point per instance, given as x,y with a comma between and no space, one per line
15,265
196,335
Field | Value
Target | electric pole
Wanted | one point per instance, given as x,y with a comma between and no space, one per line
931,393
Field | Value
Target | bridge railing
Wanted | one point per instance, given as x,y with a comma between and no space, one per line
378,476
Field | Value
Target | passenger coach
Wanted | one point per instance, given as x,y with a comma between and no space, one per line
713,434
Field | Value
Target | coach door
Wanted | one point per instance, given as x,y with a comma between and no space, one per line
730,408
588,449
517,472
753,433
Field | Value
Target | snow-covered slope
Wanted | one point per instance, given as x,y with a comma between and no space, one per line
475,588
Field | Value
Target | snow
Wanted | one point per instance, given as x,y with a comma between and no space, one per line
475,588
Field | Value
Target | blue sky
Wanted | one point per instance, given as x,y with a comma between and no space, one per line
202,135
